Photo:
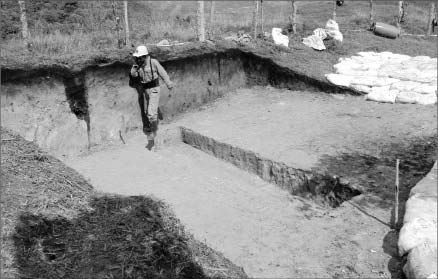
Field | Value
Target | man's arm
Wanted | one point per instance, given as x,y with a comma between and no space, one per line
163,74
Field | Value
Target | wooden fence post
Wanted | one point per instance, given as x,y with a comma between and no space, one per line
211,29
334,10
397,190
261,18
113,4
256,11
400,14
431,16
201,21
294,16
125,4
23,19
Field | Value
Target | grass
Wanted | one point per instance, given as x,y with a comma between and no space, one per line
150,22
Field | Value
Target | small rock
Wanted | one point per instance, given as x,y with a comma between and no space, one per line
163,42
344,181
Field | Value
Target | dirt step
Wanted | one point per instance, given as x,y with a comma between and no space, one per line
323,188
253,223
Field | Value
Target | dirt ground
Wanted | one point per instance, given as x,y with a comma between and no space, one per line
253,223
54,225
259,226
302,128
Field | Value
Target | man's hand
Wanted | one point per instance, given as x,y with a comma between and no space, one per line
134,70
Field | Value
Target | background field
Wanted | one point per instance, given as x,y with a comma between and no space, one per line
58,27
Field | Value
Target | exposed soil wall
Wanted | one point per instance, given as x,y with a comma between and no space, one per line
323,188
39,110
56,111
113,105
60,106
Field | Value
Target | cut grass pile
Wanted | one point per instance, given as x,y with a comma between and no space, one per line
55,226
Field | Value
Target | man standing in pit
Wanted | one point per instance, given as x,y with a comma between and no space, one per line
143,77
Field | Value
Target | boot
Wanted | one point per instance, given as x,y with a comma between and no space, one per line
151,143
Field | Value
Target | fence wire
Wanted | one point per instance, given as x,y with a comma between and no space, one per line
177,20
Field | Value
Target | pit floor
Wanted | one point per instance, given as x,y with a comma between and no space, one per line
258,226
302,128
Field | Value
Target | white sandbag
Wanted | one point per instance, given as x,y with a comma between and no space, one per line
421,58
336,35
353,66
400,57
341,80
420,206
320,33
415,233
407,97
373,81
422,262
314,42
427,67
331,25
352,72
412,74
382,94
375,65
427,99
364,80
349,65
426,88
405,85
332,29
388,69
361,88
427,185
279,39
368,54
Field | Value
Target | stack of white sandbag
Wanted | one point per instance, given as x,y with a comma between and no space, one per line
331,30
418,236
389,77
279,39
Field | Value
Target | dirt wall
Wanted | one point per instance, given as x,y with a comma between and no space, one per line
55,106
113,105
39,110
56,112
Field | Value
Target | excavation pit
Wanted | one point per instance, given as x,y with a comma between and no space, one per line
305,147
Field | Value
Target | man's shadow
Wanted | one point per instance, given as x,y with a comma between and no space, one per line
122,237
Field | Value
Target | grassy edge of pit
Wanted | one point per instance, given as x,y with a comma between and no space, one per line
55,226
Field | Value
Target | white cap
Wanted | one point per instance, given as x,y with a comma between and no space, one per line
140,51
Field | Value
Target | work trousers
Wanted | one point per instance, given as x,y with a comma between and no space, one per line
148,99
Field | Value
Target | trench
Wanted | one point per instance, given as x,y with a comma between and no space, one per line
103,108
324,188
68,114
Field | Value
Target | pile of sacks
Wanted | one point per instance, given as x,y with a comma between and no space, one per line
331,31
279,39
388,77
418,236
240,37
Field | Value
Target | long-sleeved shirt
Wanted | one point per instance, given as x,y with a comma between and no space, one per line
146,75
